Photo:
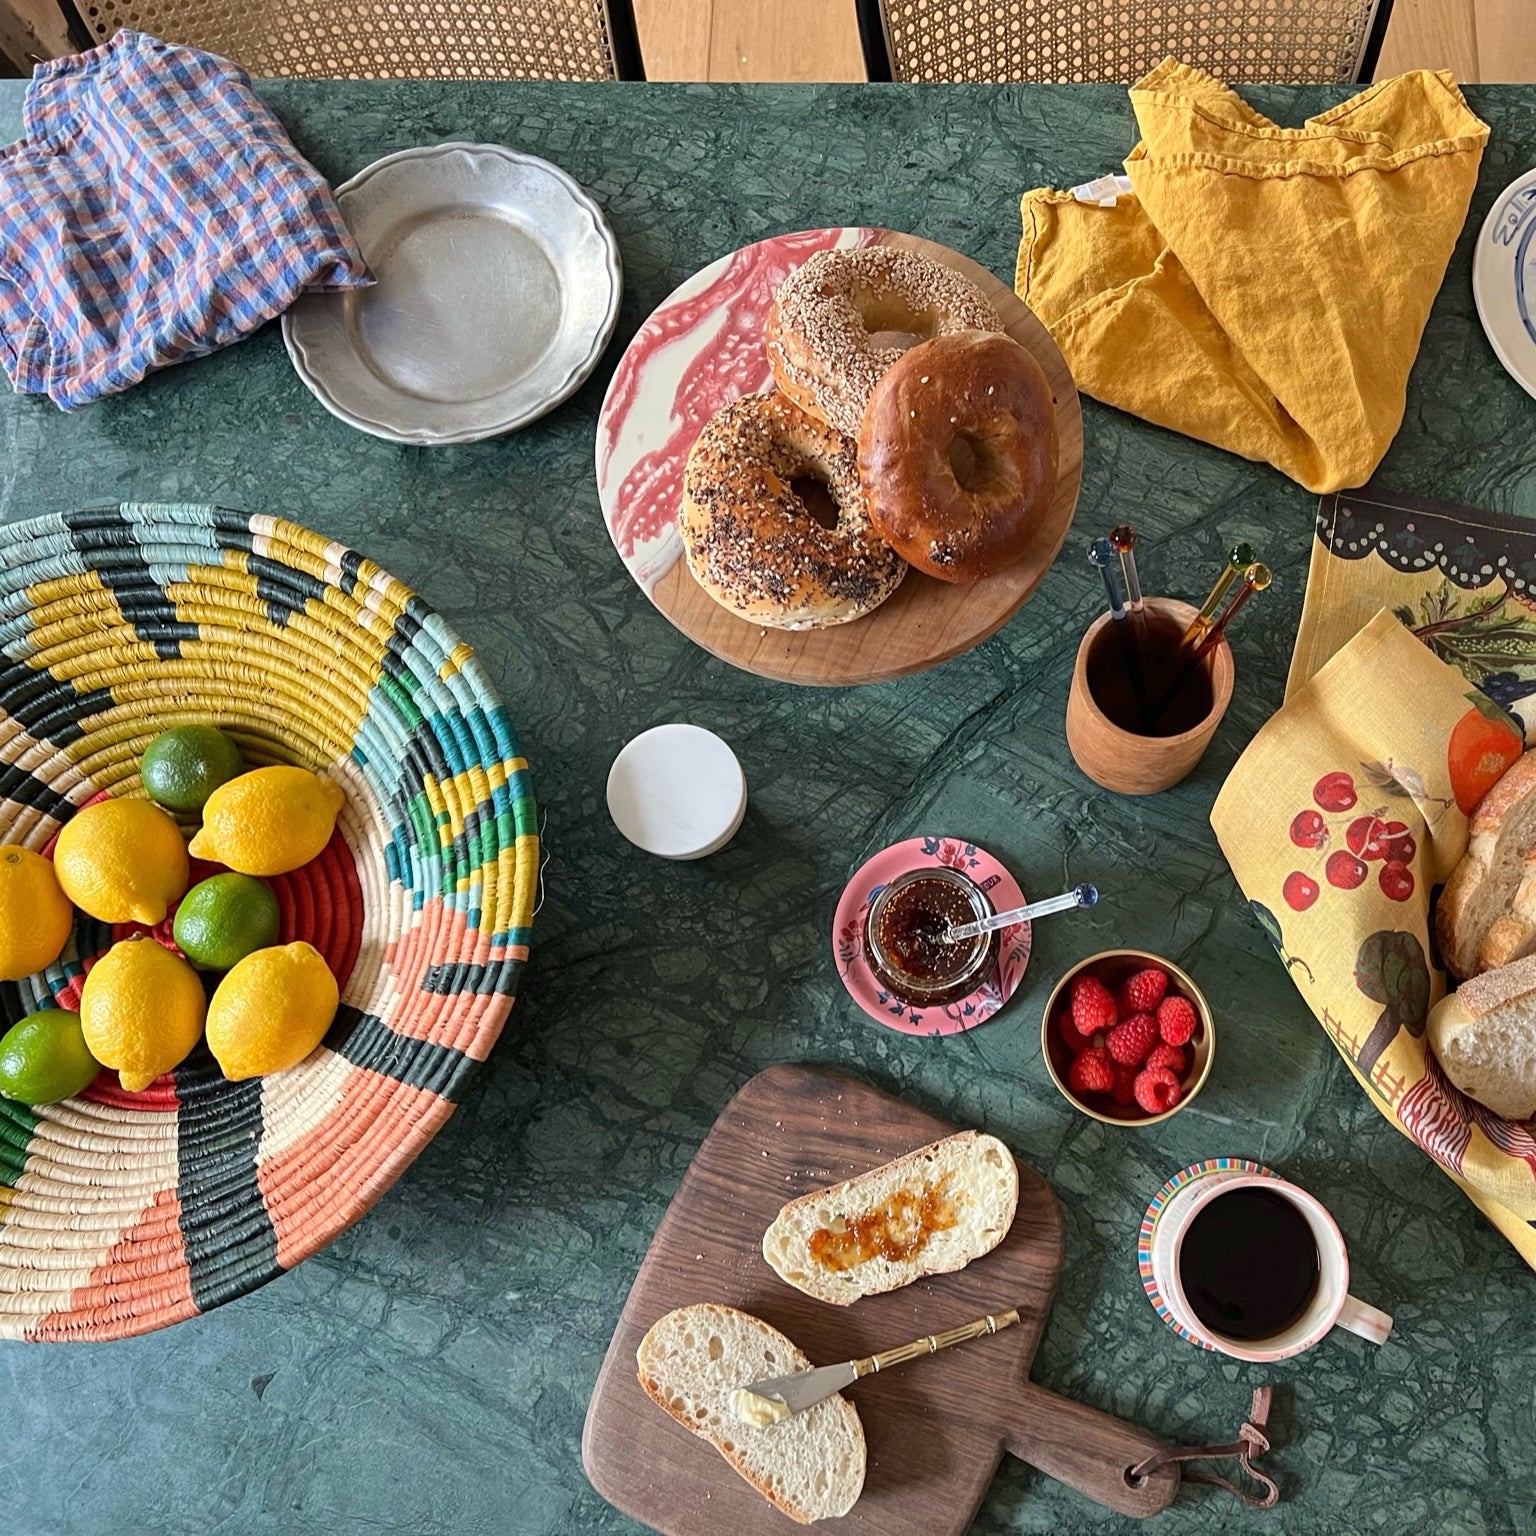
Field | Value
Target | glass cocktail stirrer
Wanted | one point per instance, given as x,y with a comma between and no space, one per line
1079,896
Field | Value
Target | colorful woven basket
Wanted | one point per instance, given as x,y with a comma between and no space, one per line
122,1212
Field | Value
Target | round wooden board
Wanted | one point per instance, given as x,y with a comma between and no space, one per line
639,480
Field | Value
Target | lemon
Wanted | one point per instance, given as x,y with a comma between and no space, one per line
43,1058
184,765
142,1011
35,915
222,920
271,1011
123,861
269,821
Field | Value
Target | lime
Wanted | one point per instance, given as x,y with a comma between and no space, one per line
44,1058
223,919
183,766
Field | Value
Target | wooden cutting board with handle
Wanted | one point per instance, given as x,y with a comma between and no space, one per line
937,1428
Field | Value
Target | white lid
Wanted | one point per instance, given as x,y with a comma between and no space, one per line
677,791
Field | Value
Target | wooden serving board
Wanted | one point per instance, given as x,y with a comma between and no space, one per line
702,349
937,1428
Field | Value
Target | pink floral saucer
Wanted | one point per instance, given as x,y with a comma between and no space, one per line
865,988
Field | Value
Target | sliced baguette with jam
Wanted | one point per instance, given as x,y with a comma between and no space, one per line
1484,1036
927,1213
811,1465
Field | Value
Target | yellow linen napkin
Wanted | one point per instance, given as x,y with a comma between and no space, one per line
1385,731
1261,288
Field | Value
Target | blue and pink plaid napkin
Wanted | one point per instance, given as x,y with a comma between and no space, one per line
154,211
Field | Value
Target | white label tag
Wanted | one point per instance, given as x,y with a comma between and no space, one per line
1106,191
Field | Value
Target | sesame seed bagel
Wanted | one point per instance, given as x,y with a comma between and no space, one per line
958,454
749,539
840,320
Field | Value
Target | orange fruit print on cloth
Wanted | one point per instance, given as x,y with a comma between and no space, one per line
1484,743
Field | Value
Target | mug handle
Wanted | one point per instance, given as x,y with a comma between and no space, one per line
1371,1323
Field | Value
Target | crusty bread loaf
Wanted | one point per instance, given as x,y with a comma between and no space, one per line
811,1465
927,1213
1487,912
1484,1035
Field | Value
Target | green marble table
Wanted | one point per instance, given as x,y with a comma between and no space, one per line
430,1370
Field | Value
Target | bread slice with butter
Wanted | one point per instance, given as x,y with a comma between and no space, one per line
927,1213
1484,1037
811,1465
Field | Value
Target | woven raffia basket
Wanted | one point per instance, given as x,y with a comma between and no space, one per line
122,1212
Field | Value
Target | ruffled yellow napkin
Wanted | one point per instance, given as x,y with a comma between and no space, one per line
1345,812
1261,288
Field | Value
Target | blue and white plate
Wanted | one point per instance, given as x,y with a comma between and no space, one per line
1504,279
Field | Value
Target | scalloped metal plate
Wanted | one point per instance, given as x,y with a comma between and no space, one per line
498,287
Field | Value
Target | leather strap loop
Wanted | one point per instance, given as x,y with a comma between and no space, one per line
1251,1442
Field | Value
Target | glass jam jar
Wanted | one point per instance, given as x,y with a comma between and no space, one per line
904,937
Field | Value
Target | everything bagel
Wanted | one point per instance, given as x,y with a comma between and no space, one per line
749,539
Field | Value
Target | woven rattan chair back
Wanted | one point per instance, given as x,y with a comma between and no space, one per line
394,39
1290,41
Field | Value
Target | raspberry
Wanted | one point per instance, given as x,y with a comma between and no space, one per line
1075,1042
1170,1056
1093,1006
1157,1089
1123,1092
1129,1043
1142,992
1176,1020
1092,1072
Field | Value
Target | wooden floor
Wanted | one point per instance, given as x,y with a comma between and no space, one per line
1479,40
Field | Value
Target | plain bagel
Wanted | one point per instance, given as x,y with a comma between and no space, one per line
958,454
838,323
749,539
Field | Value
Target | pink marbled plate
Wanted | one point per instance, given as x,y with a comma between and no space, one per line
701,349
865,988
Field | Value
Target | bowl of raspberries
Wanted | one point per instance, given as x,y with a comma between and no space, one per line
1128,1037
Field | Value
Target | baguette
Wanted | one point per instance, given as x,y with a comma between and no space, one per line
811,1465
927,1213
1487,912
1484,1036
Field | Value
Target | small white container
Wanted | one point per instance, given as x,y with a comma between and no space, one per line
677,791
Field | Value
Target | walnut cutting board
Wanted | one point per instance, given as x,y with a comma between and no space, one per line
937,1428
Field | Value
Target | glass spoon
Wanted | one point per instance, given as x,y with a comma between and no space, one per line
1078,896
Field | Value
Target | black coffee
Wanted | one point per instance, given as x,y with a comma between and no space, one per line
1248,1264
1173,696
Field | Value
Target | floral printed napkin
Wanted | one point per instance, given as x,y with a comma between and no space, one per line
1350,807
1463,580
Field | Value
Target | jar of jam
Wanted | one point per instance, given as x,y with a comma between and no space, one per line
904,937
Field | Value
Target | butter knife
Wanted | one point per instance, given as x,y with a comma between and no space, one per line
777,1397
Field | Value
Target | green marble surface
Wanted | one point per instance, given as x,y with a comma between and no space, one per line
429,1371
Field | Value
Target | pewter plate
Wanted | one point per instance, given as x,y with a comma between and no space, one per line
498,284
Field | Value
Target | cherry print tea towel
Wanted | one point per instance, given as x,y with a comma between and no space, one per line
1340,821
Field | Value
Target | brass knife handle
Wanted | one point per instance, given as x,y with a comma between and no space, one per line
933,1343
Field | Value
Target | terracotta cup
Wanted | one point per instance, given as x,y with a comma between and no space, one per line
1119,759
